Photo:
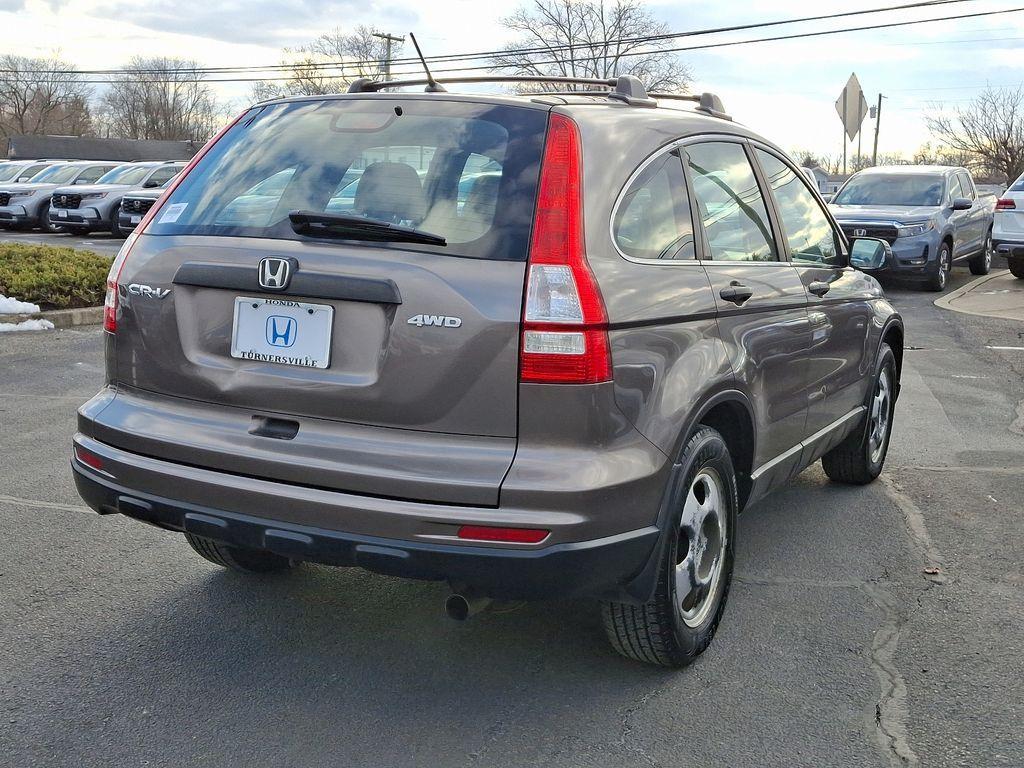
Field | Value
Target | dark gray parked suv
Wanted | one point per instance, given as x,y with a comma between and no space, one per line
634,322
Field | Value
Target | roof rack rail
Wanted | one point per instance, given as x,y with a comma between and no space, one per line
708,103
625,88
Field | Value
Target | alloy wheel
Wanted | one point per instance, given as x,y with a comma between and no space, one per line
701,548
881,412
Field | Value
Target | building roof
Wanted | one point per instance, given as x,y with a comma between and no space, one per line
31,147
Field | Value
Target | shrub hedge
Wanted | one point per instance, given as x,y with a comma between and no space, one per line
52,277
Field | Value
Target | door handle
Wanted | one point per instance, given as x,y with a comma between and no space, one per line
736,293
818,288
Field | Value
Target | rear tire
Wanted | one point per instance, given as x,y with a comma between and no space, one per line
943,263
982,263
1016,267
859,458
672,629
238,558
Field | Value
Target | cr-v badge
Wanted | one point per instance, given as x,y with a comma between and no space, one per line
441,321
138,289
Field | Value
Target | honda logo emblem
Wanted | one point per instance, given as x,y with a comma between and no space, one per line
859,232
275,274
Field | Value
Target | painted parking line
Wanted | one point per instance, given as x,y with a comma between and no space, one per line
1014,349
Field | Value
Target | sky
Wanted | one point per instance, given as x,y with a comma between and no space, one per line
786,90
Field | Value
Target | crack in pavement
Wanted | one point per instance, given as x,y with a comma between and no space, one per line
891,710
626,740
37,504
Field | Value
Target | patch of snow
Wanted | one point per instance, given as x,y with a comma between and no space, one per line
16,307
27,325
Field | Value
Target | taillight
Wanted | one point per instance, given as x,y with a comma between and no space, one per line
1005,204
110,302
565,327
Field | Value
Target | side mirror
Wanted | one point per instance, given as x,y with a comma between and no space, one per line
962,204
151,184
869,253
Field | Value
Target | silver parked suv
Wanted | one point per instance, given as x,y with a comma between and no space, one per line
27,205
547,345
96,206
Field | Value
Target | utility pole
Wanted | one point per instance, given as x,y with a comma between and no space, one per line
878,122
389,39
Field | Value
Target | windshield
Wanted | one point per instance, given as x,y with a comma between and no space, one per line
10,171
892,189
465,172
58,174
125,174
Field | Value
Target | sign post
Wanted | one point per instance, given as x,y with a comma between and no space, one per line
852,108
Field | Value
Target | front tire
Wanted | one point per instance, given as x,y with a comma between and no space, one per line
44,221
943,264
859,458
982,263
115,226
677,624
238,558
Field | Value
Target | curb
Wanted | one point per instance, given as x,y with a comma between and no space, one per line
945,301
61,318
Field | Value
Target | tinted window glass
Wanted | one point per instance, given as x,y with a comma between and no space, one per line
965,185
89,175
954,188
653,219
9,171
57,174
1018,185
126,174
891,189
163,175
32,171
467,172
730,203
807,228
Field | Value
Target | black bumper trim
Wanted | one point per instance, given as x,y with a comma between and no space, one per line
599,568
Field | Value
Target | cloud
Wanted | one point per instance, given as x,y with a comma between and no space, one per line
275,23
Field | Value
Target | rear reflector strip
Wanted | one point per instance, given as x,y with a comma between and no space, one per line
89,459
510,535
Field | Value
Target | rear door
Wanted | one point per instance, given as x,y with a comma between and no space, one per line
838,296
411,337
762,307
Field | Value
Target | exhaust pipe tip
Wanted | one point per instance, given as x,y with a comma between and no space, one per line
459,607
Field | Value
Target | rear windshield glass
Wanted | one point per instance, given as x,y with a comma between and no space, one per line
464,171
894,189
1018,185
125,174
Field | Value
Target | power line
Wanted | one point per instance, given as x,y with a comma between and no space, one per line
447,58
648,52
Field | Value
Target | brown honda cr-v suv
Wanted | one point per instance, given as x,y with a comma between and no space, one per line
533,346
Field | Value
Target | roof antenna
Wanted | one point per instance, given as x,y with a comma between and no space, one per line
432,85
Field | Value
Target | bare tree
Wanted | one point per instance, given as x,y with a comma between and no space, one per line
161,98
591,38
989,131
42,96
358,53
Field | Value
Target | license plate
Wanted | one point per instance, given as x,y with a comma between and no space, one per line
282,331
136,219
61,213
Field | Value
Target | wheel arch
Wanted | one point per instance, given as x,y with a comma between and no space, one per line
893,335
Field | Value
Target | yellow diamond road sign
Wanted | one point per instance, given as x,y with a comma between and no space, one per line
852,106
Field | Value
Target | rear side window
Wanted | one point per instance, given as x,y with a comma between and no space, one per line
730,203
653,220
465,171
808,231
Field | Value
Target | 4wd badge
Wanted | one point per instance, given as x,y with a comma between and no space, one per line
441,321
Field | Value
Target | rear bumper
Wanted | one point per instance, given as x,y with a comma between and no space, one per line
1010,248
599,568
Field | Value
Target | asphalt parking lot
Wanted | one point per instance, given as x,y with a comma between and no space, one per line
119,646
100,242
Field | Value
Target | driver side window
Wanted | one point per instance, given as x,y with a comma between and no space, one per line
653,219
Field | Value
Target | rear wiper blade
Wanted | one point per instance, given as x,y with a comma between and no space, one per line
358,228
